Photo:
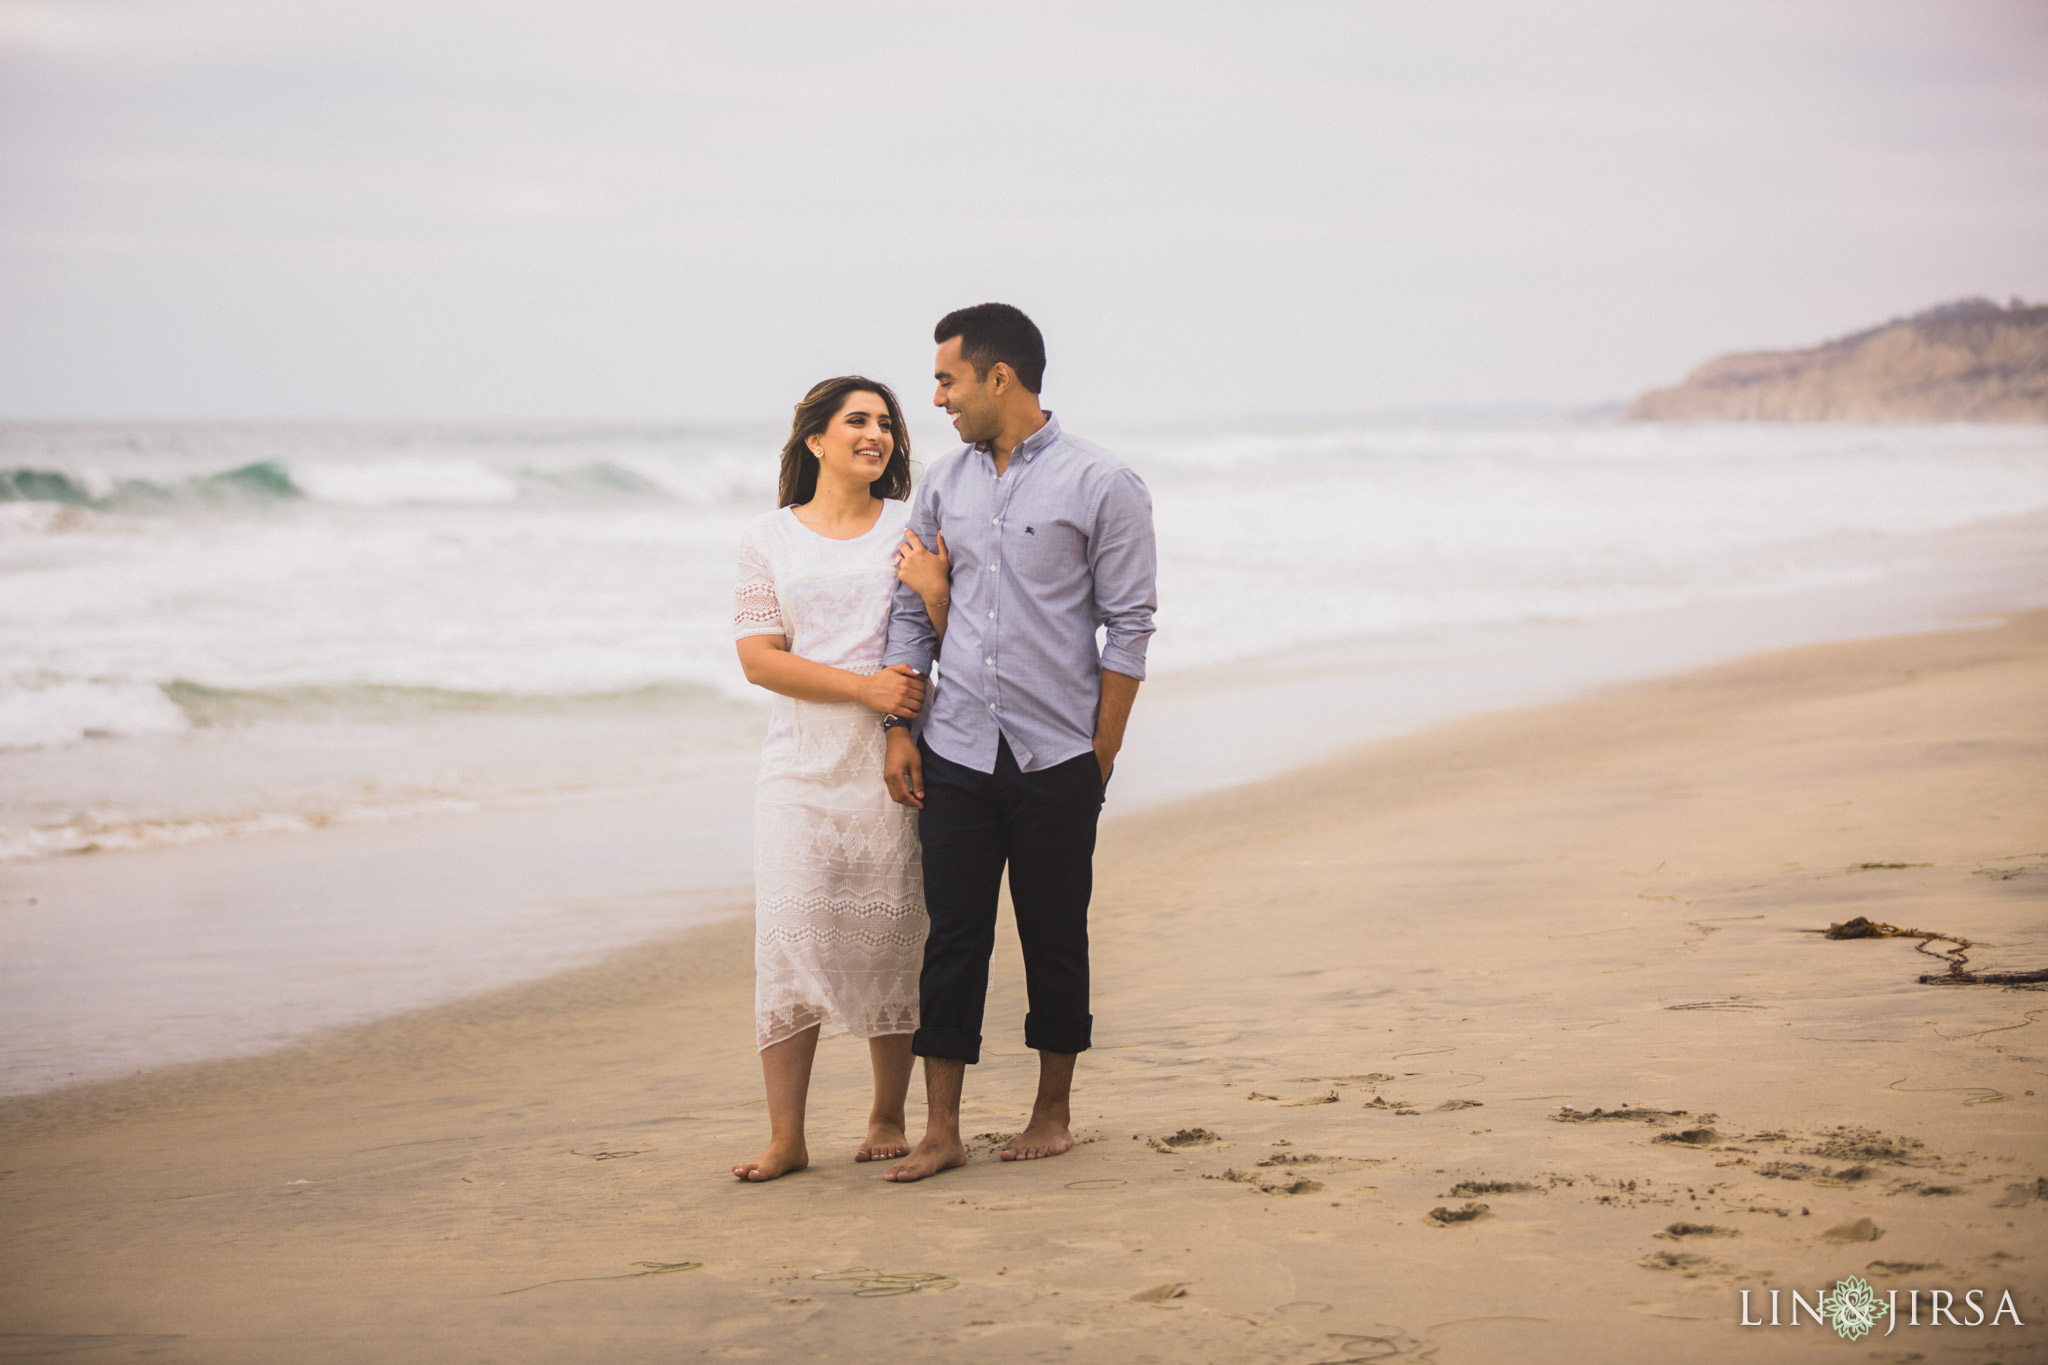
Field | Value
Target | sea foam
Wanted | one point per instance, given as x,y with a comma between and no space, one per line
42,715
393,483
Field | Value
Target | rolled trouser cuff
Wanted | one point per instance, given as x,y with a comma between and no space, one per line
949,1044
1059,1035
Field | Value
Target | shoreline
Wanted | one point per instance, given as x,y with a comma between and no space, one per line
1377,982
203,966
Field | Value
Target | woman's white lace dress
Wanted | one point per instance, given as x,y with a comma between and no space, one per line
839,919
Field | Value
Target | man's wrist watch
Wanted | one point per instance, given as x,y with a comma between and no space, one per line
895,723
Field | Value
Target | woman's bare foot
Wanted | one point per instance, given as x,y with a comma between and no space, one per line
929,1157
885,1143
1045,1137
778,1159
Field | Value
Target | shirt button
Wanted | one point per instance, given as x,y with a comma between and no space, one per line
995,521
990,659
991,616
991,706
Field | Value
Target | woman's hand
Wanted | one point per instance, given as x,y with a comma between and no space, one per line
895,691
928,573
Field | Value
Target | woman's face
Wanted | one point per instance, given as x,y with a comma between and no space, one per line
857,443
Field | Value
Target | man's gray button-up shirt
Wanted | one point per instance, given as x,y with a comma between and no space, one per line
1057,547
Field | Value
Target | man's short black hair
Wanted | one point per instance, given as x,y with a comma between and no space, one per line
995,332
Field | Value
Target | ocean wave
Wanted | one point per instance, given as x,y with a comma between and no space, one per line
19,842
202,705
600,479
363,484
266,481
43,485
48,712
45,714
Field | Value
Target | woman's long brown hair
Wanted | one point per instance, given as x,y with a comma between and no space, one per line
799,481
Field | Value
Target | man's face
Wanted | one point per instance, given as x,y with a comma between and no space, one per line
967,397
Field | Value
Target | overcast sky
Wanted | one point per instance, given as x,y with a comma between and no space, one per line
679,211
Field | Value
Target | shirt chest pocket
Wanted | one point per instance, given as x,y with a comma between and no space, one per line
1045,550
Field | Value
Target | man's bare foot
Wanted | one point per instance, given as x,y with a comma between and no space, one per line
778,1159
929,1157
885,1143
1045,1137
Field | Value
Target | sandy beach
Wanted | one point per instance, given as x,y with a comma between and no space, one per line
1506,1041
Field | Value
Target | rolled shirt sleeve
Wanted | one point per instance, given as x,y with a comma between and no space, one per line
1124,559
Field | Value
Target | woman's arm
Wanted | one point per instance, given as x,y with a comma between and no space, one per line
895,691
929,574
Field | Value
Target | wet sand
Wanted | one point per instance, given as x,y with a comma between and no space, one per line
1354,1024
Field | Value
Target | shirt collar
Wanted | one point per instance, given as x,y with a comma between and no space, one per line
1028,448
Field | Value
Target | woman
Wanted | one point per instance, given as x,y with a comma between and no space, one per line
839,919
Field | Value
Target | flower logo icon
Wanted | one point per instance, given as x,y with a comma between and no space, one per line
1852,1307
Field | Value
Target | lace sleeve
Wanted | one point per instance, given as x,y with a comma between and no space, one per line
755,610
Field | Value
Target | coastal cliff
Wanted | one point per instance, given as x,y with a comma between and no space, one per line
1970,361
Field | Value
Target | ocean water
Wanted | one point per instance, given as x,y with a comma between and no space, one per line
211,631
492,666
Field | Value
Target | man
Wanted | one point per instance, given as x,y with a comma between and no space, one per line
1050,538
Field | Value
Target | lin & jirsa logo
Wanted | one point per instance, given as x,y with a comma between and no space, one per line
1854,1309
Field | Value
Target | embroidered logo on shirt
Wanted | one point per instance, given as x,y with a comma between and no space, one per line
1029,532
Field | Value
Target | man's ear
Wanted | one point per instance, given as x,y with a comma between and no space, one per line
1000,377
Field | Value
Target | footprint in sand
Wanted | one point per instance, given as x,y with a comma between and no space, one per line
1328,1166
1451,1218
1628,1113
1270,1184
1860,1230
1679,1231
1466,1189
1787,1170
1848,1175
1185,1138
1685,1261
1877,1269
1865,1144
